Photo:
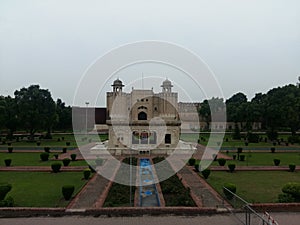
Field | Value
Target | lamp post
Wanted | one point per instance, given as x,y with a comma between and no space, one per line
86,108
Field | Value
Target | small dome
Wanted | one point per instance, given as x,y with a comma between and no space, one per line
167,83
117,83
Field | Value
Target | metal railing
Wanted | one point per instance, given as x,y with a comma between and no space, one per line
244,213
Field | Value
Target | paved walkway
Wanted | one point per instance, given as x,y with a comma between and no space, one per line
94,193
227,219
204,195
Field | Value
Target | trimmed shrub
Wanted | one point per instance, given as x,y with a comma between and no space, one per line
273,150
205,173
56,167
4,189
234,157
66,161
68,143
285,198
55,156
276,162
222,161
73,157
44,156
67,191
291,193
192,161
63,138
47,149
231,167
38,143
239,150
9,143
292,167
86,173
64,150
242,157
10,149
231,187
7,162
99,162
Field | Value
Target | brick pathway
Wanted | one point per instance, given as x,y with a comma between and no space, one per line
204,195
95,191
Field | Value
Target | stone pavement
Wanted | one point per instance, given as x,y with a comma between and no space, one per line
224,219
204,195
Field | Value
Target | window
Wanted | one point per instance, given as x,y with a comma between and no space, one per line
135,137
144,138
152,138
142,116
168,139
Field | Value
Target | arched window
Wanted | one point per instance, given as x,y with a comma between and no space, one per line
142,116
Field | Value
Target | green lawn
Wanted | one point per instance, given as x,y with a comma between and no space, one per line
253,186
40,189
59,140
231,143
32,159
265,159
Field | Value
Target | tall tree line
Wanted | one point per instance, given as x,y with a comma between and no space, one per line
276,110
33,109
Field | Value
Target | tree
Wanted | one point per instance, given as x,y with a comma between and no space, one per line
64,116
210,108
36,109
8,115
236,108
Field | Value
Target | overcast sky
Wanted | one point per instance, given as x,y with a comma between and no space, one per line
251,46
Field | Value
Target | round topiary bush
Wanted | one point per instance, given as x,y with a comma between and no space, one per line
64,150
7,162
242,157
67,191
229,190
222,161
56,167
231,167
205,173
66,161
4,189
10,149
291,192
47,149
276,162
73,157
196,166
273,150
44,156
38,143
292,167
239,150
86,173
55,156
192,161
68,143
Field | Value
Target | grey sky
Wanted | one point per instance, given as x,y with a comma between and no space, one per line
251,46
